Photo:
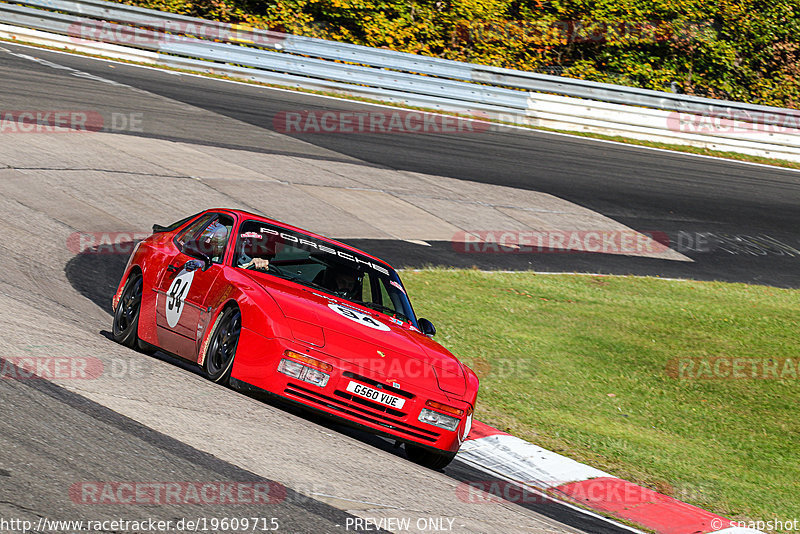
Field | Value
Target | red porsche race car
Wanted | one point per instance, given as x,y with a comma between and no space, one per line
267,307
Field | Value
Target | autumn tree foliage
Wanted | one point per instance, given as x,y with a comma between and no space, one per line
746,50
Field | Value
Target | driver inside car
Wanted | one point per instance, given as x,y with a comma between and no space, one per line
213,239
255,254
259,264
345,283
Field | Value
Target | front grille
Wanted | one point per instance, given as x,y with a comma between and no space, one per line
363,411
365,402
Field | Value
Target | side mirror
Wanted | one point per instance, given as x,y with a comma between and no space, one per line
427,327
193,249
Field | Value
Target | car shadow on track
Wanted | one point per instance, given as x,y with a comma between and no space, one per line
96,275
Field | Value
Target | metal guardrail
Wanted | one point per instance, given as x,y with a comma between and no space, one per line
294,44
132,33
317,52
256,58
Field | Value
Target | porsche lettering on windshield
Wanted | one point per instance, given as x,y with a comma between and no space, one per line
325,266
324,248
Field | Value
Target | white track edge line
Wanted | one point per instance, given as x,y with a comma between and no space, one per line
537,491
511,126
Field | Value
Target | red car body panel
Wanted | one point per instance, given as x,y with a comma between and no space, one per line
280,315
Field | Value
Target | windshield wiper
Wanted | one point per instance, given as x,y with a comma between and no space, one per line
371,305
309,283
297,279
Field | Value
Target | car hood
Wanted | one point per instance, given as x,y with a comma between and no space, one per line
363,337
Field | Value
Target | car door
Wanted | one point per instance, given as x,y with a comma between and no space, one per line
185,284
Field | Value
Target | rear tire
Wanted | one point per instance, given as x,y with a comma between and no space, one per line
125,328
221,346
428,458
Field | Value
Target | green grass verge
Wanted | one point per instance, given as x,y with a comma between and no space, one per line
580,365
775,162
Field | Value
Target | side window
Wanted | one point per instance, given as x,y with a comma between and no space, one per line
192,230
386,300
214,237
366,289
386,296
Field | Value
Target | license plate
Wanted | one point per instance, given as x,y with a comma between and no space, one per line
375,395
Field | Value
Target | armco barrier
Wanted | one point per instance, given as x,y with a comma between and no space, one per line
390,59
715,133
491,92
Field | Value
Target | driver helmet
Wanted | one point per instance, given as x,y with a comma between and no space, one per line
345,280
214,239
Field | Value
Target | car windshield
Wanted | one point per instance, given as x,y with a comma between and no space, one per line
323,266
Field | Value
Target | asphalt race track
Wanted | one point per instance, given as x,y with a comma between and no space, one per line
736,221
203,143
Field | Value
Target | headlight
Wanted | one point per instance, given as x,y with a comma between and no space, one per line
438,419
316,377
301,372
288,367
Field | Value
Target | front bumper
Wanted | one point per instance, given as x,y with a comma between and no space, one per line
255,367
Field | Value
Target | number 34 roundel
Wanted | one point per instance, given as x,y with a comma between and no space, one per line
176,295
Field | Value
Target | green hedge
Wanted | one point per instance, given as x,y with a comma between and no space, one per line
746,50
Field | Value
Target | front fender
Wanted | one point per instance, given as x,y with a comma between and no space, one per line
260,312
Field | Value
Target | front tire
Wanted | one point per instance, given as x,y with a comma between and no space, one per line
221,346
125,328
428,458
